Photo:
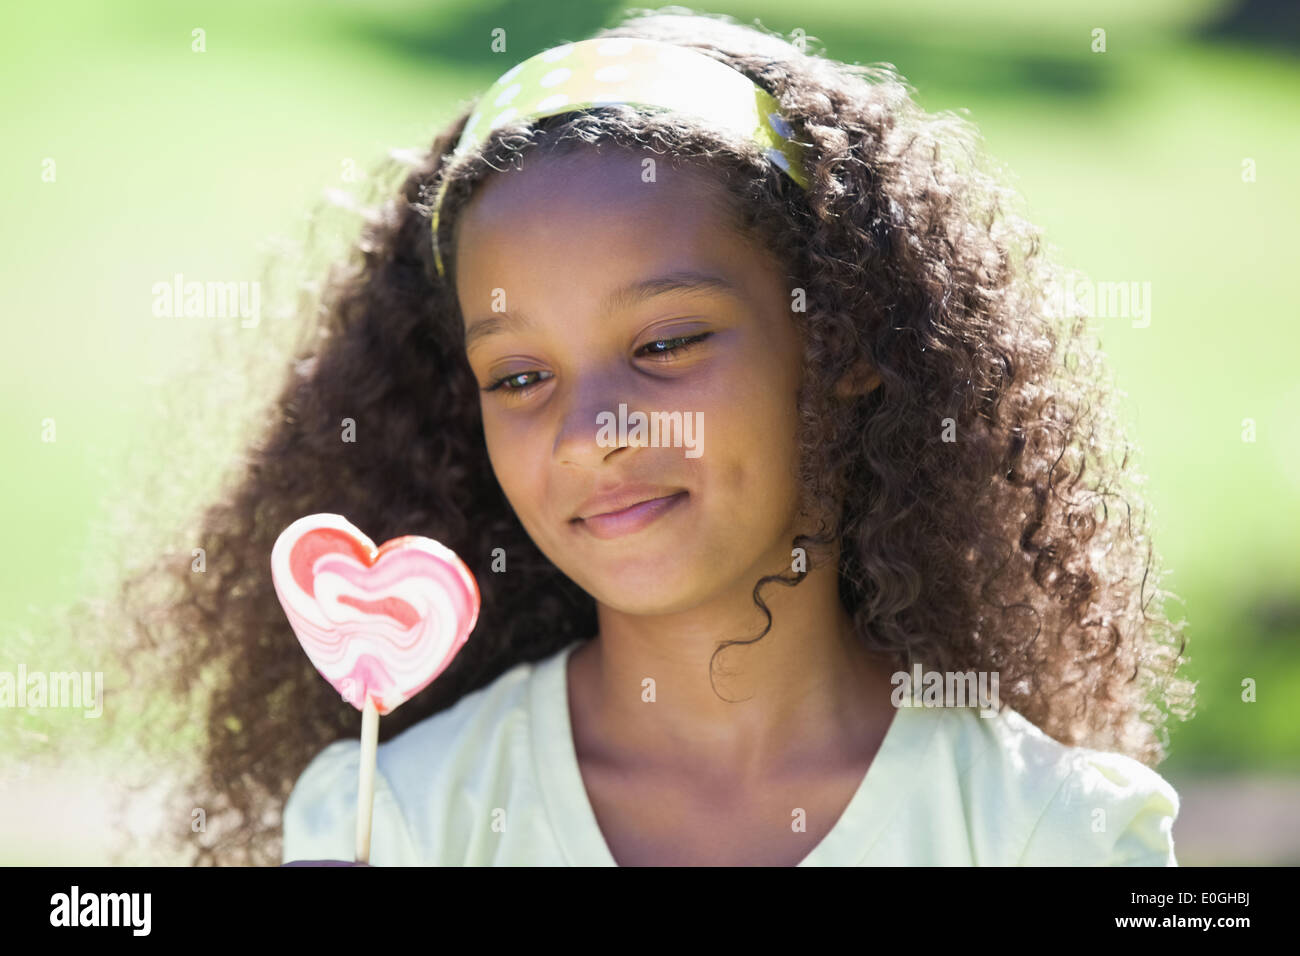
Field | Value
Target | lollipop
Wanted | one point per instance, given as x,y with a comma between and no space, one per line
380,624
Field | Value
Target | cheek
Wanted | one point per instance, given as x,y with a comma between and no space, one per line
508,452
752,405
748,465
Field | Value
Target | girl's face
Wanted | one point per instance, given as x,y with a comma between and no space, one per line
585,289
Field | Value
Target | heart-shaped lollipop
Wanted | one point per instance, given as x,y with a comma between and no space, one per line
381,623
378,623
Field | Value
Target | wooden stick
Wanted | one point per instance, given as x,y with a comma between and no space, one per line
366,783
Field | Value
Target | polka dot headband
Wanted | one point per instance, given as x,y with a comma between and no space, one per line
634,72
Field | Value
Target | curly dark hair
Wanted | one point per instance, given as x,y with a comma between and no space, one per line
983,496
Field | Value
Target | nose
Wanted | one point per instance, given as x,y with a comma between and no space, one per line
590,401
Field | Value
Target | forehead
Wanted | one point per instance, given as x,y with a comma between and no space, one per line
587,220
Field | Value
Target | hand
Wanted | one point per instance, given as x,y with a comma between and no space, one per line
323,863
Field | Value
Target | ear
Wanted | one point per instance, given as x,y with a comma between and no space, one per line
859,380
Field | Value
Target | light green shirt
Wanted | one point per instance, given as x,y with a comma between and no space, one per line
494,781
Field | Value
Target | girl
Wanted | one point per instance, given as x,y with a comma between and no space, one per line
703,648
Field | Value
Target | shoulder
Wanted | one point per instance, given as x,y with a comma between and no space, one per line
1067,806
432,781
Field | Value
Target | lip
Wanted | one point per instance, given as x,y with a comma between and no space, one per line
615,498
606,521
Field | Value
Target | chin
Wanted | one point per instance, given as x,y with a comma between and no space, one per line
649,605
649,587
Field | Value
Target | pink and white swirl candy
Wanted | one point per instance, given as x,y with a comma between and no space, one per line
377,622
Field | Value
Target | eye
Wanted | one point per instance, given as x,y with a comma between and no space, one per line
670,346
517,383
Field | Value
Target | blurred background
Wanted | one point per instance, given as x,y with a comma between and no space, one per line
1156,143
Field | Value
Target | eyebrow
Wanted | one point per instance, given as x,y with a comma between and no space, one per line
620,299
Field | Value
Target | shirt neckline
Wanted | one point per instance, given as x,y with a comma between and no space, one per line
893,774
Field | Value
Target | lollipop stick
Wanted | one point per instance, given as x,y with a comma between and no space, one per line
366,783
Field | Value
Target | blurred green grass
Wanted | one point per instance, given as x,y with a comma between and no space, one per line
172,161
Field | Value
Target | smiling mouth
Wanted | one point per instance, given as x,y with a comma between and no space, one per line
615,524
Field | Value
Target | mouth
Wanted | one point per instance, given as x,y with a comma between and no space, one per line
615,524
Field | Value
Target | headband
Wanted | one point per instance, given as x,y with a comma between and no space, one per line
633,72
